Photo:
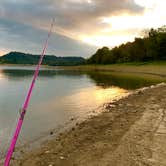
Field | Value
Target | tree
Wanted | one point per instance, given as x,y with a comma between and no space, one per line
151,47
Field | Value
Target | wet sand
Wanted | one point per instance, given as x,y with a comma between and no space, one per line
131,132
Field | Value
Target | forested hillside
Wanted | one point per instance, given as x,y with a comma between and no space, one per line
21,58
150,48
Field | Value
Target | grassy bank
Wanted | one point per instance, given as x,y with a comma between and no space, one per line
155,68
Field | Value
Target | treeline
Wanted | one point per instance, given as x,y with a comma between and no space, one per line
150,48
22,58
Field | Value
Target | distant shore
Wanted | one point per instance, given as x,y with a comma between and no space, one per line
154,68
147,68
131,131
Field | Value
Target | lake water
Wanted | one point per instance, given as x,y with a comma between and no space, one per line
58,96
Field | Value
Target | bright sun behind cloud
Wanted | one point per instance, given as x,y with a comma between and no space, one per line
126,27
107,40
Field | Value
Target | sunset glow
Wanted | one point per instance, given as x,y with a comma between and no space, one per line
3,52
80,25
125,27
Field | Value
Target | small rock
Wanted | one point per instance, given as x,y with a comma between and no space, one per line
77,124
112,105
139,92
21,151
57,139
152,86
13,158
51,133
143,89
105,144
47,151
120,104
129,105
162,84
62,158
72,119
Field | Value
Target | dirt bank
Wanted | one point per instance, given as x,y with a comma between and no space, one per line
132,132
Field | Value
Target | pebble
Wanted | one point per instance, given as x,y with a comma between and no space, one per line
129,105
161,84
139,92
13,158
72,119
77,124
47,151
51,133
62,158
152,86
112,105
120,105
145,88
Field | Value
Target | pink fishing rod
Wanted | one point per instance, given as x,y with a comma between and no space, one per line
26,103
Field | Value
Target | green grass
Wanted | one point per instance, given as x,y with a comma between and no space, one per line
144,63
155,68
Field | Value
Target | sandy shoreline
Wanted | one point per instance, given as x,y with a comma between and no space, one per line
132,131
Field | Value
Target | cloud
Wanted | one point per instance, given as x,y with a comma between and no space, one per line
23,23
72,17
20,37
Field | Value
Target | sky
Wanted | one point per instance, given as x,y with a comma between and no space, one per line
81,26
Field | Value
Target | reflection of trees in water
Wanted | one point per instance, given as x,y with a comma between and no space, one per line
101,79
120,80
21,74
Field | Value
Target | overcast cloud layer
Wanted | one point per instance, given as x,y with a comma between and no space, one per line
24,23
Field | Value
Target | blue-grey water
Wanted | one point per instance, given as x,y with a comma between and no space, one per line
58,96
